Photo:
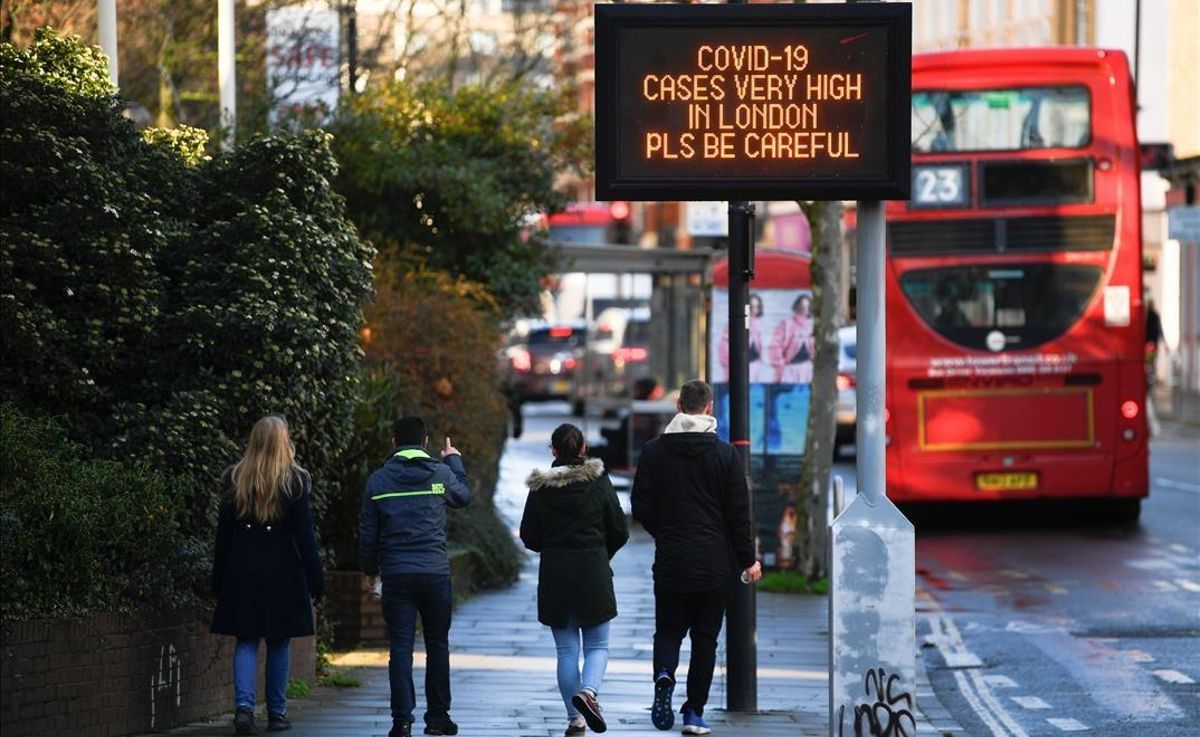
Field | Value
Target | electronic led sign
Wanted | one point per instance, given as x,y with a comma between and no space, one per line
697,102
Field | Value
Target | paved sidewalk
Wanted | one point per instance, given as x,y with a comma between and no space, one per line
502,659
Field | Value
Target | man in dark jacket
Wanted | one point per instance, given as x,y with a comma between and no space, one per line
402,538
690,495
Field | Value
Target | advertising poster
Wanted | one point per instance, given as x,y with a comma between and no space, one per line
780,355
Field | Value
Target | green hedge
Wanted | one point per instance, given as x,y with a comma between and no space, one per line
160,301
81,535
430,344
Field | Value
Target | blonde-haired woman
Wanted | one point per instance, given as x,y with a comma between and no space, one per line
266,569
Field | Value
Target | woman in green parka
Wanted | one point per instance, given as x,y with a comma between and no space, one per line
572,517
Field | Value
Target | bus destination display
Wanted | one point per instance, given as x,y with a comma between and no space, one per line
749,102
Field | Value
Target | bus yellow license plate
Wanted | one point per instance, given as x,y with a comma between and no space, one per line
1006,481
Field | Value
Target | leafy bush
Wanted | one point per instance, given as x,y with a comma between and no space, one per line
81,535
430,350
160,301
454,174
790,582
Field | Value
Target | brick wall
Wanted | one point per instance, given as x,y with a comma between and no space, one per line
111,675
358,614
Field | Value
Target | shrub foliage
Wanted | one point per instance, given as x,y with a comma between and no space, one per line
160,301
79,534
430,352
454,174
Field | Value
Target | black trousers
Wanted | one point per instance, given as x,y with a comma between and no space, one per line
675,615
404,598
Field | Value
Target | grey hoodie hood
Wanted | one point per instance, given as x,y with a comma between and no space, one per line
684,422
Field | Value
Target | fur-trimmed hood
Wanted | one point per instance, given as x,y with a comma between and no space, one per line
563,476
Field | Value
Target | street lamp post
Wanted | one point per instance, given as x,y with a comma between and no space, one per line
226,71
740,631
106,20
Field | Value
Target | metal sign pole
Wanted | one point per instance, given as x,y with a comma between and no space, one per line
106,20
740,635
872,562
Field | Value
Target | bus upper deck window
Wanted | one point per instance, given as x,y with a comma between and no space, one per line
1014,119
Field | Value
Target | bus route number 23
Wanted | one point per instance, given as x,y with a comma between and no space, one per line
939,186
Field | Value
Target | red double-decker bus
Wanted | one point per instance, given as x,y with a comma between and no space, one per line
1014,284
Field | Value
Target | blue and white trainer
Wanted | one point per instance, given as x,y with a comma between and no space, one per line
661,713
693,723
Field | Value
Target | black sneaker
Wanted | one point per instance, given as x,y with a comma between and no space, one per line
277,722
661,713
401,729
441,726
243,721
585,701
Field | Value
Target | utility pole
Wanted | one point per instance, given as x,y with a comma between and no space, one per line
226,71
872,566
741,616
106,19
352,46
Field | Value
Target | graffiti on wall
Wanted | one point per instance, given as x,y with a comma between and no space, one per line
889,715
165,679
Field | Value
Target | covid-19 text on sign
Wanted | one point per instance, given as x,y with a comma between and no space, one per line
752,101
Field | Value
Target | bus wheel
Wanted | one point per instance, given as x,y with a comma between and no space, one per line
1124,511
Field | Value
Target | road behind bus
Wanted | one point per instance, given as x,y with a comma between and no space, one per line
1039,622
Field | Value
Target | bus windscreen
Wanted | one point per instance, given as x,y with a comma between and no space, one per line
1028,304
1015,119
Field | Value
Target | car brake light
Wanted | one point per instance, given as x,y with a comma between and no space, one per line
560,332
844,382
629,354
1129,409
520,359
569,363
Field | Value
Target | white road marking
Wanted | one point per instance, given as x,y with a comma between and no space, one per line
962,660
1164,585
1010,573
1172,676
1068,725
1150,564
1192,586
1138,656
1030,702
1180,548
988,698
1179,485
964,688
999,681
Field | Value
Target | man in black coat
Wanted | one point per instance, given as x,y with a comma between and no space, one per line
690,494
402,538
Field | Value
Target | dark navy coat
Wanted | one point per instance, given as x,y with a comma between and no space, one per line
403,526
266,575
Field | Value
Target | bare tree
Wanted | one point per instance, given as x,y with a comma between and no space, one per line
827,266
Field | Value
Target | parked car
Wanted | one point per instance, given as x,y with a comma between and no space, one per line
847,400
544,364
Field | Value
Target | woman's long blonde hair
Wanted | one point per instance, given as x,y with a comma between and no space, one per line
263,477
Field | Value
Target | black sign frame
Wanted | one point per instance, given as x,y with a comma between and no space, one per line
893,183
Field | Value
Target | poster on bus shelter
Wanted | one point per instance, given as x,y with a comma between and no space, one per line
780,334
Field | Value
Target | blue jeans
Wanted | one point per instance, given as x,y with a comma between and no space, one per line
245,668
404,597
595,660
